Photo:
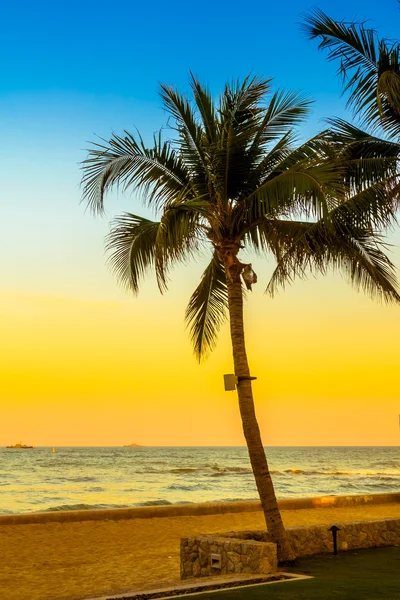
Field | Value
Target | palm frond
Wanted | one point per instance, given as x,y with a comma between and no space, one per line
179,237
353,44
304,187
312,248
136,244
369,67
241,101
274,235
159,172
207,308
239,119
132,241
285,110
370,208
367,144
365,159
205,106
190,133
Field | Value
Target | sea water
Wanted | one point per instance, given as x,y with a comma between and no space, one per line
111,477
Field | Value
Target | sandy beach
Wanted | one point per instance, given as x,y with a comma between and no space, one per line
71,560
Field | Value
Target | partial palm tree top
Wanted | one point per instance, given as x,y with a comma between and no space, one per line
369,66
232,176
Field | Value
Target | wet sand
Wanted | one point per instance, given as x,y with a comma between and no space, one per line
74,560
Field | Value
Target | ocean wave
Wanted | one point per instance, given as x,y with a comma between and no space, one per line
231,469
216,470
76,479
159,502
206,469
219,471
184,488
61,507
234,500
389,478
378,485
360,473
184,470
391,464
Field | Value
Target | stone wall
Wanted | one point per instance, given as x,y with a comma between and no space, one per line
207,555
253,552
317,539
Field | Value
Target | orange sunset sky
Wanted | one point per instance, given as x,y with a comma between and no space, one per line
100,368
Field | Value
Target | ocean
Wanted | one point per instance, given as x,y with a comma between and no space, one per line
113,477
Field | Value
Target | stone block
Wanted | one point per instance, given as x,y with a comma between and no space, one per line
238,567
188,569
265,566
203,558
233,557
196,569
230,567
246,569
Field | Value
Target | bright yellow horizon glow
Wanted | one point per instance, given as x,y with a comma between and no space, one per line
90,372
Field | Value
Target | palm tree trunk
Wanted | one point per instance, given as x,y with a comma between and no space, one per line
250,426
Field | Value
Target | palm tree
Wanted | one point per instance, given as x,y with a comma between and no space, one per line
369,67
232,177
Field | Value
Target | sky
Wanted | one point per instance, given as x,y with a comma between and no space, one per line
84,363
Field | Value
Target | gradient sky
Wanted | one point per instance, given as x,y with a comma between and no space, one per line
81,362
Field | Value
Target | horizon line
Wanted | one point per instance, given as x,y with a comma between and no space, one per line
215,446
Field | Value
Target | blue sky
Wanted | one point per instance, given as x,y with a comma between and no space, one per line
73,70
103,52
124,48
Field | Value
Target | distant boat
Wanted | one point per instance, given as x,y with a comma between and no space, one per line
20,446
133,446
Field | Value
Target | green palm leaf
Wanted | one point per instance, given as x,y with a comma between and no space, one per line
136,244
369,67
365,159
285,111
205,106
207,308
239,121
131,243
190,135
158,173
303,247
304,187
